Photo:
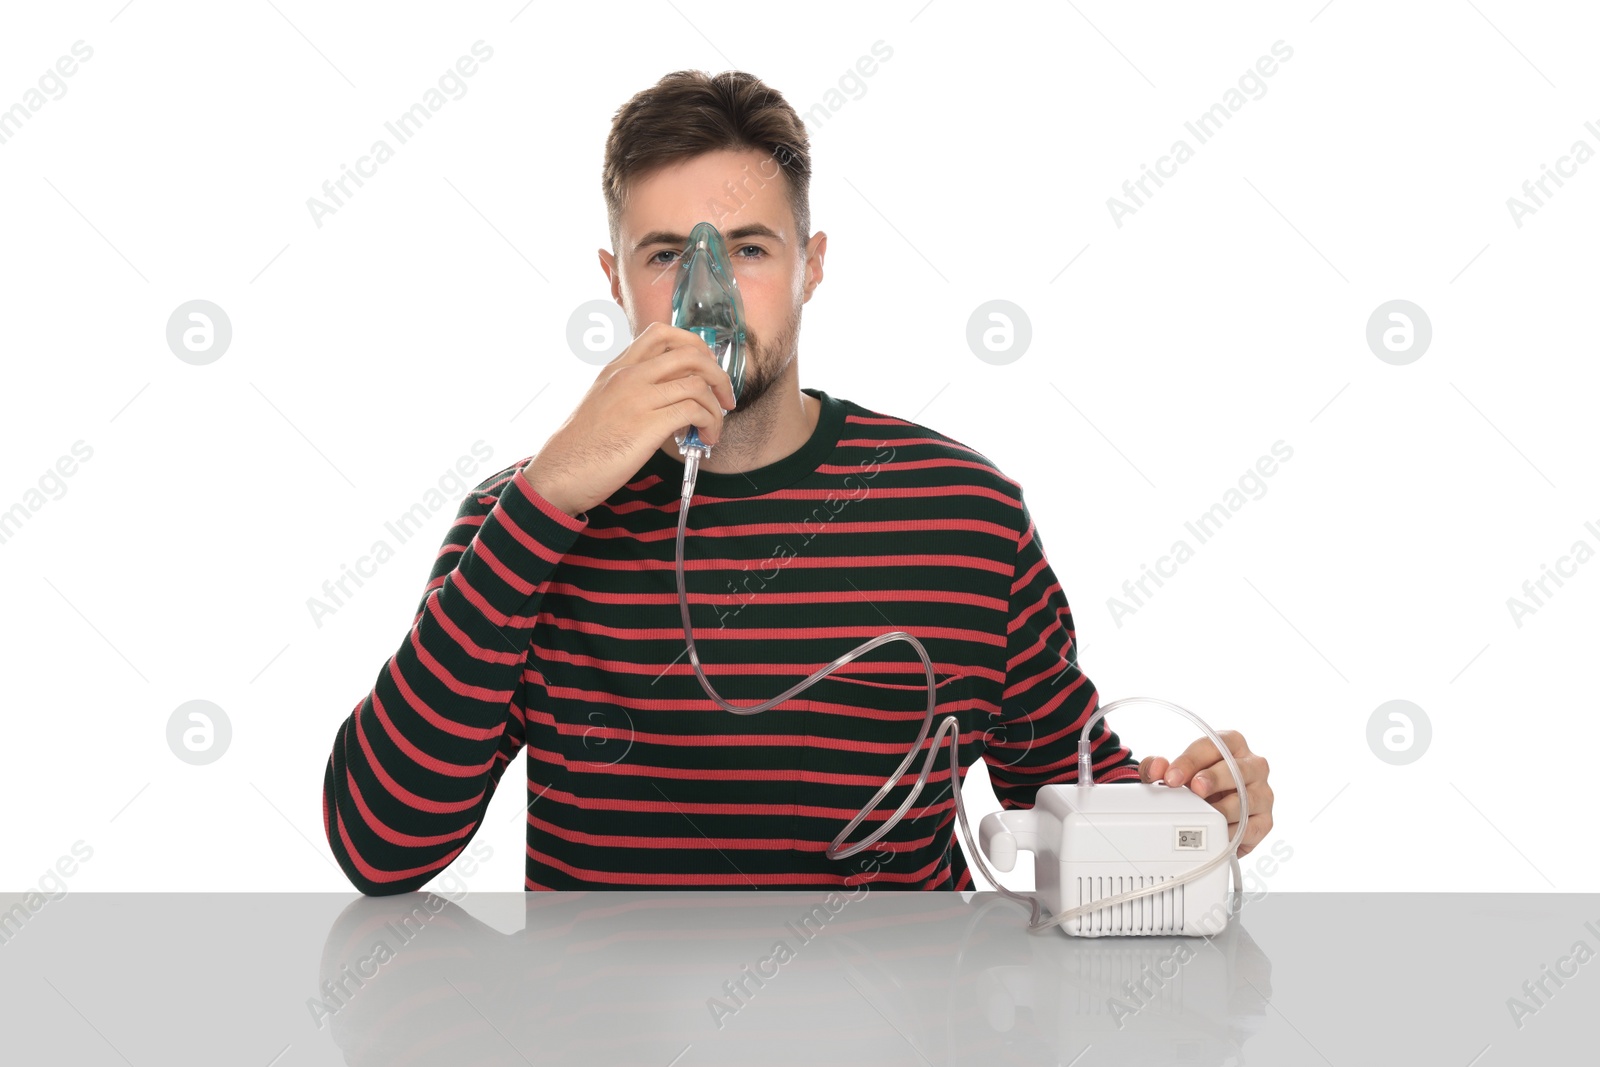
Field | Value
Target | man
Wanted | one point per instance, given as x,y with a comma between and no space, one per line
551,618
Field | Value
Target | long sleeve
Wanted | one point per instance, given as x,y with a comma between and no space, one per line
1046,699
415,763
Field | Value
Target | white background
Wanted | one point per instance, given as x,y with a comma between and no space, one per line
1168,354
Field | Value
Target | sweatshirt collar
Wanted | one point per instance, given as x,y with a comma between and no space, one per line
779,474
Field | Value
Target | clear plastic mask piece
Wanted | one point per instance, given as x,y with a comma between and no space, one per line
706,301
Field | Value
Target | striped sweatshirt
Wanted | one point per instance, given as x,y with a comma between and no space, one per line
562,636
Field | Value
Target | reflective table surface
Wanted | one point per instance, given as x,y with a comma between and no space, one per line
681,979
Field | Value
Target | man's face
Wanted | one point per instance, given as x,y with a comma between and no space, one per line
744,195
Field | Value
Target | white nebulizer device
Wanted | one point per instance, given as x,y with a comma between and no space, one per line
1140,858
1137,859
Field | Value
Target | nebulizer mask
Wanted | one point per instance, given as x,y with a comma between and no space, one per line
706,301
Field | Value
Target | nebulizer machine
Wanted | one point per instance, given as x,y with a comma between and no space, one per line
1136,859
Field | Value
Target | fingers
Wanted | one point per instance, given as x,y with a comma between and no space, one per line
1260,795
656,338
695,359
676,373
1208,777
1204,754
1218,779
1254,834
690,401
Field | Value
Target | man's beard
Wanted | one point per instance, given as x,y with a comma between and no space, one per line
765,362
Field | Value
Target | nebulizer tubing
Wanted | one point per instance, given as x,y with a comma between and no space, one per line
707,301
951,725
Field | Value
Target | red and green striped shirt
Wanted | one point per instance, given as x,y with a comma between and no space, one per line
561,635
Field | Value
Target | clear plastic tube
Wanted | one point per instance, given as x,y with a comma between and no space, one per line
950,725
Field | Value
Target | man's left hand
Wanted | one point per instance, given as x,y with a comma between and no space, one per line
1201,766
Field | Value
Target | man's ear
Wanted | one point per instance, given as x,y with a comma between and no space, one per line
608,264
816,248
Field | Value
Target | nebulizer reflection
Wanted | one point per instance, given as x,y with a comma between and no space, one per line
706,300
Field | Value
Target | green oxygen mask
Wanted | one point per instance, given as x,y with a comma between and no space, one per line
706,301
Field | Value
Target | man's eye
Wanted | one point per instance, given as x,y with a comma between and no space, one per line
657,261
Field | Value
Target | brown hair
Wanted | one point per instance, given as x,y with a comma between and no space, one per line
688,113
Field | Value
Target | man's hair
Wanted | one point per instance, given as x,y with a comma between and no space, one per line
688,113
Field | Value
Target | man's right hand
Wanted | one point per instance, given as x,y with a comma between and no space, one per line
665,380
